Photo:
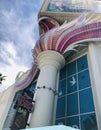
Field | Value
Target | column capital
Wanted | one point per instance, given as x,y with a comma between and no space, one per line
51,58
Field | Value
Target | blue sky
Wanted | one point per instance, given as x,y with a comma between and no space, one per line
18,35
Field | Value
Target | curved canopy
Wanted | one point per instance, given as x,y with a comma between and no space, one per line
63,39
47,23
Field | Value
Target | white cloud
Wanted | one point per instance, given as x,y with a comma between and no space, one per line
20,31
18,35
11,50
9,47
11,72
12,69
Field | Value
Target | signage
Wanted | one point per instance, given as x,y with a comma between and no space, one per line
26,102
74,6
22,107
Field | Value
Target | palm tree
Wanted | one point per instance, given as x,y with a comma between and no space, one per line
2,78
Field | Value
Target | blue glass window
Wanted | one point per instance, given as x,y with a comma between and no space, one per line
60,122
78,109
72,104
86,101
62,87
82,63
60,107
63,73
73,121
88,122
32,87
71,68
84,79
72,84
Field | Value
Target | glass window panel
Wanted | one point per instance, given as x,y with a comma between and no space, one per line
71,68
82,63
62,87
84,79
86,101
73,122
88,122
72,84
31,87
63,73
77,79
60,122
60,107
72,104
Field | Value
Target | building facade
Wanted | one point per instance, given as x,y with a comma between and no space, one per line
63,85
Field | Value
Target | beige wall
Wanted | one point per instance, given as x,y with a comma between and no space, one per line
5,101
94,55
6,98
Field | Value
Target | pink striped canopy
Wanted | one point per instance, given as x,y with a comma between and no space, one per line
63,39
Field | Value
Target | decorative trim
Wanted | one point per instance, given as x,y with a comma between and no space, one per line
63,39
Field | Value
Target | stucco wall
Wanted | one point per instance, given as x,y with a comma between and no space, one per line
94,53
6,98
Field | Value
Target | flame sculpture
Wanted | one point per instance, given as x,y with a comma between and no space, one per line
62,39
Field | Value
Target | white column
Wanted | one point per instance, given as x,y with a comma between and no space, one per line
94,55
50,62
